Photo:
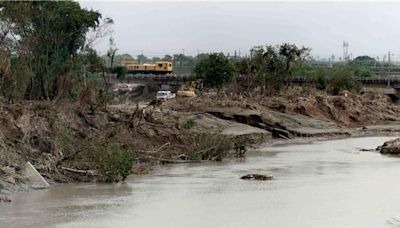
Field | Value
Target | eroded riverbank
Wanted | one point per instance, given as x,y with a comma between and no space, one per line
319,184
63,141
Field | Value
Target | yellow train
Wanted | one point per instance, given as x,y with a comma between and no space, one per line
158,67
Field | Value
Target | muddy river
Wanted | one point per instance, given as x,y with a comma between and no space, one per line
322,184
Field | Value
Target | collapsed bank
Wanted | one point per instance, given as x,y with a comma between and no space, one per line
62,141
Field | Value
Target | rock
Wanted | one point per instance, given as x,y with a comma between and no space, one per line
391,147
5,199
256,177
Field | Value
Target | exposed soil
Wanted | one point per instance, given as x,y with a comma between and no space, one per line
58,138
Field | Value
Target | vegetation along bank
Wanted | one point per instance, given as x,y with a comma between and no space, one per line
58,111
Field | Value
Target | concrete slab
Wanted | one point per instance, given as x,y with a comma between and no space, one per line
33,177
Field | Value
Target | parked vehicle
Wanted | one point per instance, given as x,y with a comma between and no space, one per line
164,95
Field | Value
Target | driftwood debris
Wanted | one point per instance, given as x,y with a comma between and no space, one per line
159,148
88,172
5,199
256,177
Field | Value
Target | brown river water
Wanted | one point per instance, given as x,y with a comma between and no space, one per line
321,184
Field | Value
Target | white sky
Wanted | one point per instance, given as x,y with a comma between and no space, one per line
160,28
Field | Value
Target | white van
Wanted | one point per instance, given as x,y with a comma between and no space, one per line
164,95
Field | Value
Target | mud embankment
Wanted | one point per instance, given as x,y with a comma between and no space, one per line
301,112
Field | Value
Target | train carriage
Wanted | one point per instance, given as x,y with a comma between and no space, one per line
158,68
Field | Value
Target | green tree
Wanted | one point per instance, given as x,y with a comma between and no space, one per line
274,65
120,71
167,58
47,37
215,71
343,79
91,60
364,60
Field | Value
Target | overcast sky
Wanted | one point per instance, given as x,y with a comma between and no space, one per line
159,28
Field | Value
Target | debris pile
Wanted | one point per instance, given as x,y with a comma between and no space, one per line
256,177
391,147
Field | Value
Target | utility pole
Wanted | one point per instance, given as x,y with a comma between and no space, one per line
345,51
389,55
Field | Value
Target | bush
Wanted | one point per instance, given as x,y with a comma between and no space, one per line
363,72
120,71
190,123
239,147
319,79
113,162
343,79
212,147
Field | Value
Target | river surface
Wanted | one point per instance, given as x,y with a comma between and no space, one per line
321,184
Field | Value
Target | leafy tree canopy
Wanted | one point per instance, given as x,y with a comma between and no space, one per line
364,61
46,36
215,70
274,65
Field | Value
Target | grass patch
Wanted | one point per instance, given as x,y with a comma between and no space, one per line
190,123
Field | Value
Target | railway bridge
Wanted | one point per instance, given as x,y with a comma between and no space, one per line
390,83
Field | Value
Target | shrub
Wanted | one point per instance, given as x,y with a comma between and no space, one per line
212,147
319,79
113,162
120,71
239,147
343,79
190,123
363,72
